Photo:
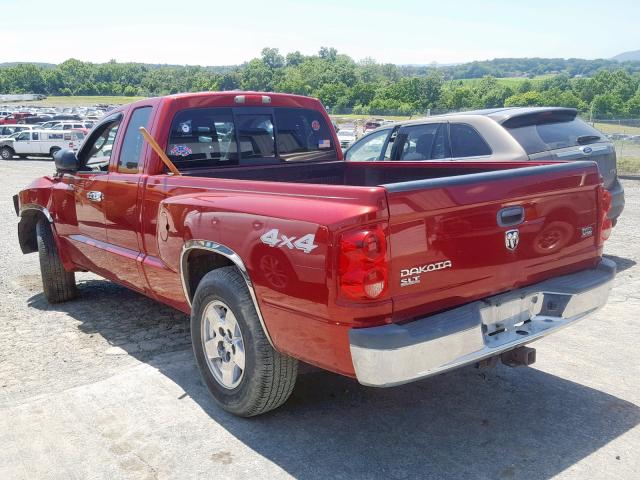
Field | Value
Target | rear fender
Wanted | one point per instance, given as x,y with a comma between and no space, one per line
183,230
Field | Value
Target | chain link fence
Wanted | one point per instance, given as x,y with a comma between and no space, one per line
625,135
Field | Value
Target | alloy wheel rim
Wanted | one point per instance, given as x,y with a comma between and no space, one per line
223,344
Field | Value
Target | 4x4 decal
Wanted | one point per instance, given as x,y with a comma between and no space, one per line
273,238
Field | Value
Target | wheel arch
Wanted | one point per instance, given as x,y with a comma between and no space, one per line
30,215
214,255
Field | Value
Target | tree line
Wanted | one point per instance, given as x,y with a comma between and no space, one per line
600,88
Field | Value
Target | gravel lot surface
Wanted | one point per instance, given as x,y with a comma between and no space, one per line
106,387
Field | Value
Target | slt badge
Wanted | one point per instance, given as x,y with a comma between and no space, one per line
411,276
511,239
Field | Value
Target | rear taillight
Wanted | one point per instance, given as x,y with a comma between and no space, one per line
604,205
363,266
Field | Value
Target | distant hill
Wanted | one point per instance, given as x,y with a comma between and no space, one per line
497,67
40,64
631,56
213,68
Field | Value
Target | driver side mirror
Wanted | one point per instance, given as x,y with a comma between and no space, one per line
66,161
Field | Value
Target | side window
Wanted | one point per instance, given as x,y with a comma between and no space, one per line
203,137
467,142
423,142
23,136
133,141
35,136
303,135
96,152
256,136
369,148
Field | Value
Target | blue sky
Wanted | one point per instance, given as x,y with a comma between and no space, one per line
230,32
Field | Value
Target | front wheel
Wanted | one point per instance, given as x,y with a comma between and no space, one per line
6,153
53,151
241,369
58,284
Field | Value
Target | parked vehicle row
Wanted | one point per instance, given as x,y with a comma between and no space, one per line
240,211
501,134
30,114
43,139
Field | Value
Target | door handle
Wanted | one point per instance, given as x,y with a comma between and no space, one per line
94,196
510,216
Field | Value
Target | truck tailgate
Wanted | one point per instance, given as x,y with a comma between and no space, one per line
454,240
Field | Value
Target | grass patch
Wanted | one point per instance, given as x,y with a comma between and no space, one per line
628,165
615,128
628,154
512,82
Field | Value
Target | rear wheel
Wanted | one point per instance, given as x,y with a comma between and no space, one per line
243,372
53,151
6,153
58,284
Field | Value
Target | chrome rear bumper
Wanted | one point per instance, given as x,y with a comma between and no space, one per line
395,354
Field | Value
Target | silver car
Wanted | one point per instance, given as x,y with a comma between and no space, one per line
500,134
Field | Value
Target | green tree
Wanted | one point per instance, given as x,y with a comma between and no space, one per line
294,58
527,99
272,58
606,105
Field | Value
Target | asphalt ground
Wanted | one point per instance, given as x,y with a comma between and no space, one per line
106,387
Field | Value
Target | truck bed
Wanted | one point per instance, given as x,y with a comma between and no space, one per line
363,174
434,212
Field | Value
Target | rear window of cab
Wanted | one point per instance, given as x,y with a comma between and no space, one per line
222,137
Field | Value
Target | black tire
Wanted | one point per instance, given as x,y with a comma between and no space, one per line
6,153
58,284
53,151
268,377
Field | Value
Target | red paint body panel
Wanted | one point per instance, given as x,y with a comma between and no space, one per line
458,224
137,234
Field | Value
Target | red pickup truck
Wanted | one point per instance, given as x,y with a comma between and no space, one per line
15,118
244,216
